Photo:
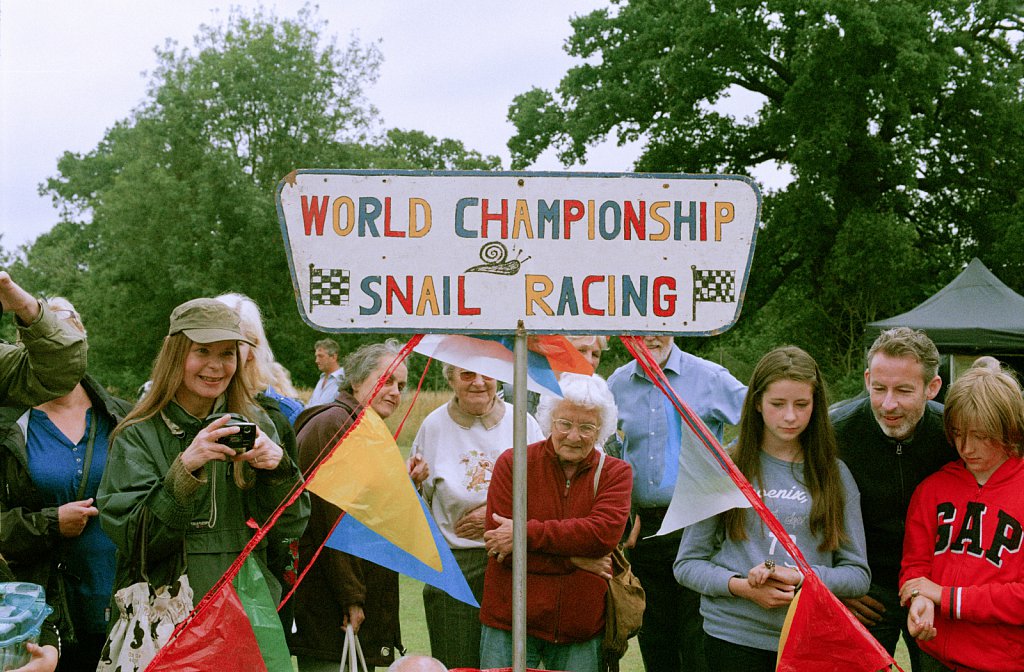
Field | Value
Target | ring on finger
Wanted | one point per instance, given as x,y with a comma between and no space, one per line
770,566
914,593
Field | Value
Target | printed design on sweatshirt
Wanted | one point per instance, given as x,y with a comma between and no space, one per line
794,493
479,467
789,519
978,531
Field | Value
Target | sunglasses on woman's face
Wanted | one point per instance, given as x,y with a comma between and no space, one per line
470,376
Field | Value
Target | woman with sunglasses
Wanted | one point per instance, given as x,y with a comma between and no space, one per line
460,442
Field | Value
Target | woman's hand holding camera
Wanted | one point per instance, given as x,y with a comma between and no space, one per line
205,447
265,454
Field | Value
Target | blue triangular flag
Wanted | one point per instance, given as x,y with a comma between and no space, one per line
354,538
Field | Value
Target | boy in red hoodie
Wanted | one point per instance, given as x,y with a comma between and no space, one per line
963,572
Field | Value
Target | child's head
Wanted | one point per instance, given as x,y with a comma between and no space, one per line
787,363
984,418
820,470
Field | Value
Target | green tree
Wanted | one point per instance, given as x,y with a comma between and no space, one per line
415,150
902,122
177,201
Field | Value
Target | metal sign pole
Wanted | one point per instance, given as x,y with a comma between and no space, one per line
519,503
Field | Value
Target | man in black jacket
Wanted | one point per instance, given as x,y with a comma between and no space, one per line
891,441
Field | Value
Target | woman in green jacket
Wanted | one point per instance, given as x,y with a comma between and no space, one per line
166,467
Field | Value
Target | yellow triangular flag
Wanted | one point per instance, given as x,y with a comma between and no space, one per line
367,478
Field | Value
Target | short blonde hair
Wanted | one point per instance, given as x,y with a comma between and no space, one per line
265,371
987,401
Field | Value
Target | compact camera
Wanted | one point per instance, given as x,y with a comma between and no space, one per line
242,440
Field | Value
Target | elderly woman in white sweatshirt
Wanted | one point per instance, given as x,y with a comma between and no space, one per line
460,441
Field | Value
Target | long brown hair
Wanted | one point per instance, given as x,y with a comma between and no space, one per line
818,441
167,375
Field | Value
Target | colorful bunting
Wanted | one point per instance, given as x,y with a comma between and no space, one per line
703,487
493,356
354,538
821,635
254,594
366,477
203,643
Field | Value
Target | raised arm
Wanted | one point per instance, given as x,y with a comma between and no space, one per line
51,358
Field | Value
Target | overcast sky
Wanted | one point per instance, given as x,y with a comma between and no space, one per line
69,69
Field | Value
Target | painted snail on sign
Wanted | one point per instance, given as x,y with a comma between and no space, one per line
495,258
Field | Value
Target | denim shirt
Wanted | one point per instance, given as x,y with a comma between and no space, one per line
652,428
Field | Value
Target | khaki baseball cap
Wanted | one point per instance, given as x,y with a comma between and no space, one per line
206,321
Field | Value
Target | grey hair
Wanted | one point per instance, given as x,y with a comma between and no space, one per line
600,341
987,362
907,342
448,370
587,392
60,303
328,345
361,363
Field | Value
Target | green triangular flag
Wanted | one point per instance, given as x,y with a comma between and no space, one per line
259,606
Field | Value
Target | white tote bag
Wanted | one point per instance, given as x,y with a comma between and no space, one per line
146,615
146,619
352,653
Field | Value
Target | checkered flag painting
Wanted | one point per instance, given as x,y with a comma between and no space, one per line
713,285
328,286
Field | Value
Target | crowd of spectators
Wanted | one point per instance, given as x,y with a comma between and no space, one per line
908,511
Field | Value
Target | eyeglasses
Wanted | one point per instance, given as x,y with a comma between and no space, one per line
585,430
470,376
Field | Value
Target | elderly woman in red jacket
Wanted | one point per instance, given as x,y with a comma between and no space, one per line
570,533
963,573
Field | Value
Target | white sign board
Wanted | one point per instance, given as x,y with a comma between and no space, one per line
475,252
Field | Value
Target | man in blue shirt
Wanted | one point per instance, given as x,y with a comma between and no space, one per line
672,637
327,353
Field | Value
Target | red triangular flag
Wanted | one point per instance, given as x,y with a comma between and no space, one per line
218,638
821,634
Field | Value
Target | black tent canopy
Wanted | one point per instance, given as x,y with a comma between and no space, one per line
974,313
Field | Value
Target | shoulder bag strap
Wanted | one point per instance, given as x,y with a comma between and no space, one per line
597,473
89,445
